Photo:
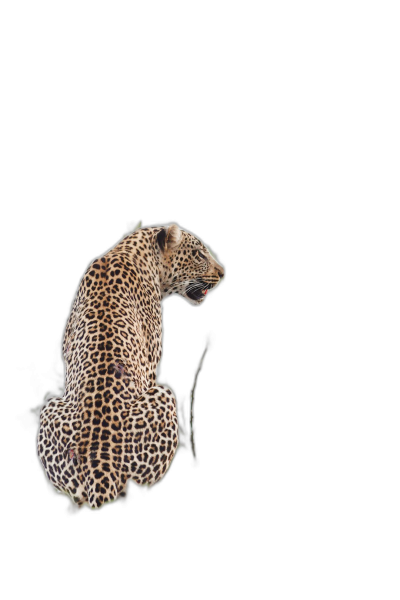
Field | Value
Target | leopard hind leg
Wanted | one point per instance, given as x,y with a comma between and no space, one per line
151,437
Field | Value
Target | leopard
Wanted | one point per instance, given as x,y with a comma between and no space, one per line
114,423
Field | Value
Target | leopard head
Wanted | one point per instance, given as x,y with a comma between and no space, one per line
186,266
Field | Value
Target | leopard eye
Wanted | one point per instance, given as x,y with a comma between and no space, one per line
199,255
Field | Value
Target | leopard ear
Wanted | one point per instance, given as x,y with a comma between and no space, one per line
169,238
174,236
161,235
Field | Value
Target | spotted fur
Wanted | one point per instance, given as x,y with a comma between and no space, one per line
113,422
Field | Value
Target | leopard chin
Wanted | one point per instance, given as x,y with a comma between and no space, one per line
197,290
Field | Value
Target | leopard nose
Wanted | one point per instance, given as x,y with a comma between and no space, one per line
221,273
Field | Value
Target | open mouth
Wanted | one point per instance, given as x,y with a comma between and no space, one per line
197,290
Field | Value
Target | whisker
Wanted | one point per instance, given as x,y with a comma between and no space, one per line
195,285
